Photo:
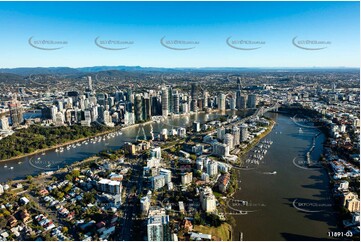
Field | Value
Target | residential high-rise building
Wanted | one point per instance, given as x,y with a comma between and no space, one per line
244,132
4,121
222,102
205,98
186,178
156,153
16,112
185,107
109,186
208,200
158,225
196,126
167,175
212,168
221,131
158,182
228,140
220,149
237,135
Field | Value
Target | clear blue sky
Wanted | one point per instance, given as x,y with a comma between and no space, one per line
209,23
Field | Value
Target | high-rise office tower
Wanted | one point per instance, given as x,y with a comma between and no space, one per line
138,108
232,103
238,99
101,113
252,101
146,108
119,96
129,95
194,97
243,101
170,100
111,101
239,87
156,106
165,110
176,103
90,83
102,98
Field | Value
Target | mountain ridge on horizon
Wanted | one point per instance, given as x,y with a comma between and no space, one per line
25,71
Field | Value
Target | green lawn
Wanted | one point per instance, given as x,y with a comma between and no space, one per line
221,232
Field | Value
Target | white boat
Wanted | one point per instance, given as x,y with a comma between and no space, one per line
43,153
5,166
11,168
270,173
39,158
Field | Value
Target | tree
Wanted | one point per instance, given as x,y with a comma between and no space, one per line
65,230
75,173
68,177
197,218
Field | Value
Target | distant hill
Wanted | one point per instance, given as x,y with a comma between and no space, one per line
123,68
10,77
26,71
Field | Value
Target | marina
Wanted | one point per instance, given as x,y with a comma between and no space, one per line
276,182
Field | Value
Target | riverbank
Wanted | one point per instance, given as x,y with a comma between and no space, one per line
222,232
258,139
57,146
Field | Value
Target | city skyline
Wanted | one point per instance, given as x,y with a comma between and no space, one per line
143,34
